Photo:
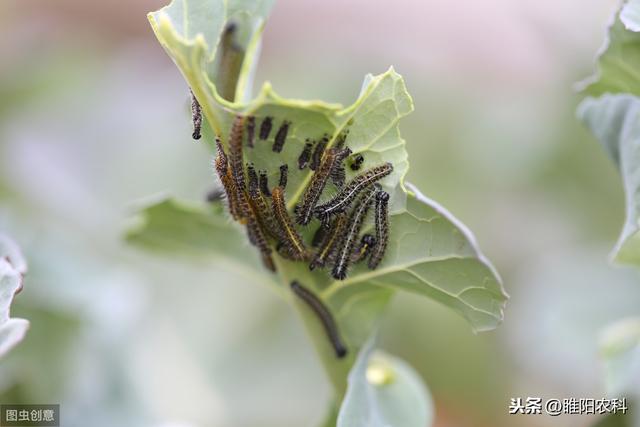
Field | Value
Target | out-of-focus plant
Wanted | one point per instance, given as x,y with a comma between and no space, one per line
12,269
612,113
215,44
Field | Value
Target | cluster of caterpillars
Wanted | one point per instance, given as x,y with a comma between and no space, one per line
338,242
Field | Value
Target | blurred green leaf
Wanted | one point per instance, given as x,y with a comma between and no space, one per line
615,121
620,350
618,66
12,268
384,391
613,117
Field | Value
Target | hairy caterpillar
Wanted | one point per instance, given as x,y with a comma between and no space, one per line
356,219
265,127
264,184
331,239
304,211
284,173
289,237
382,229
338,174
236,163
343,199
324,315
196,116
262,209
281,137
305,155
224,174
318,151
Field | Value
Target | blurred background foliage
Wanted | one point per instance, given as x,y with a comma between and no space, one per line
93,119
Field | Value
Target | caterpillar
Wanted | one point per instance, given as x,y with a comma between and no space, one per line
196,116
236,163
343,199
382,229
265,127
330,242
262,209
318,151
284,172
281,137
289,237
357,161
224,174
319,236
258,239
304,211
356,219
338,174
324,315
251,131
264,184
305,155
367,243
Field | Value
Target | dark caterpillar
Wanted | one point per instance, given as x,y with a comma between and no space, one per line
281,137
330,242
264,184
382,229
357,161
318,151
341,201
304,211
305,155
284,173
224,174
236,163
289,237
265,127
324,315
251,131
356,219
338,174
196,116
261,208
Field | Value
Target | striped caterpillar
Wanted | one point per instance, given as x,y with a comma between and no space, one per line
341,201
224,174
331,240
382,229
196,116
304,211
260,205
324,315
292,244
345,253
